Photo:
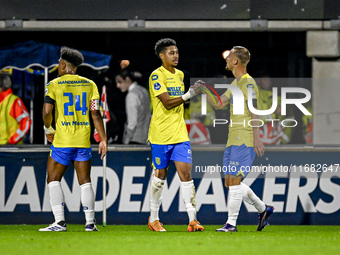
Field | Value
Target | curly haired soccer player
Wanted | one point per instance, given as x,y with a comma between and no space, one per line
74,98
168,134
243,142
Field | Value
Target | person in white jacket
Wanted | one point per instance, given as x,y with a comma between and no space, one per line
137,105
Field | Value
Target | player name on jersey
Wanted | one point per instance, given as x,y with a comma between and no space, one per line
74,123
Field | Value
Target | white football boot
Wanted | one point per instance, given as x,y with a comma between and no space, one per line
60,226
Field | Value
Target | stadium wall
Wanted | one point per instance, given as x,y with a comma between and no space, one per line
303,184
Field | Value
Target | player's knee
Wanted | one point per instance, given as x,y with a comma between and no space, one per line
161,173
185,176
52,177
83,179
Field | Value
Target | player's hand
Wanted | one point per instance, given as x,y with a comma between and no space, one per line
49,131
191,93
199,86
50,137
196,89
258,147
102,149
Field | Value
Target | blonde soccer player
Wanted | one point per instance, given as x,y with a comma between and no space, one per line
168,134
243,141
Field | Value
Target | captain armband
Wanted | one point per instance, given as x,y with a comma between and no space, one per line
94,106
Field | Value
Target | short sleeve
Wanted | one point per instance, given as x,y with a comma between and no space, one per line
95,93
255,90
157,83
227,93
49,91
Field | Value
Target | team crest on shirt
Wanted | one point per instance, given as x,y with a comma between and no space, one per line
158,160
157,86
154,77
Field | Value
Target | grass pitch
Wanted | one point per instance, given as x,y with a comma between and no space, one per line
136,239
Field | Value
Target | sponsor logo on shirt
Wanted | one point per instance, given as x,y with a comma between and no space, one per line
175,91
73,82
157,86
154,77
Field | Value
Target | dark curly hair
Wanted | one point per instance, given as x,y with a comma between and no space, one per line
72,56
162,44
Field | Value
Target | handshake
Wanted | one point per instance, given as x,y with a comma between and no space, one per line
198,87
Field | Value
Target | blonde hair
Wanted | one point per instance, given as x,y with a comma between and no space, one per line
242,54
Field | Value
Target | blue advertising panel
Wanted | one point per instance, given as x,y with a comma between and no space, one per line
302,185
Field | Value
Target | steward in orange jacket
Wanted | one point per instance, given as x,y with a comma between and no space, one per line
14,118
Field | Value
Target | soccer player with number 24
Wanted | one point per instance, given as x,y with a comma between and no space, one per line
74,99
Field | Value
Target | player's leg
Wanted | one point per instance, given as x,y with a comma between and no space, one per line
157,184
264,211
248,195
232,161
82,165
56,166
187,188
160,163
251,198
234,200
181,156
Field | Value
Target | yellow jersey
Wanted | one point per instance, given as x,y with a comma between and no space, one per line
167,126
240,131
72,95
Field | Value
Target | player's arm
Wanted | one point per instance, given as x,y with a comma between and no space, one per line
98,124
157,84
47,118
258,144
170,103
217,104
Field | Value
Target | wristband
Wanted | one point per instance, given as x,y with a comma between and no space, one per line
191,92
49,131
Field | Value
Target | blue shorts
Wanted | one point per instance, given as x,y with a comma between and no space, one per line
237,160
163,154
66,155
